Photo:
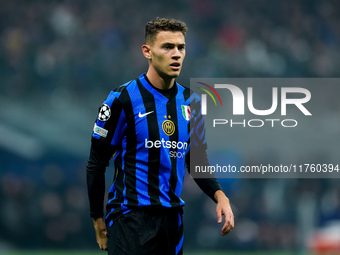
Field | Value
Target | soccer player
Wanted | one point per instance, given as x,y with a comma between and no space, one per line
148,126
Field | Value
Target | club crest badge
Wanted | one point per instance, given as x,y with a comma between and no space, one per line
168,127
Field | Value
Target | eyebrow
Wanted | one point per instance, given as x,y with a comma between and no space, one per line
172,44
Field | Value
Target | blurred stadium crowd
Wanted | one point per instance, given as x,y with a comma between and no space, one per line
58,61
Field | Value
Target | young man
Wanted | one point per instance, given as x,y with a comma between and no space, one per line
148,125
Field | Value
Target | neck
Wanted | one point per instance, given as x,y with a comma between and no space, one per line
159,81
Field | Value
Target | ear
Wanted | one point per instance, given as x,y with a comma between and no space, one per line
146,51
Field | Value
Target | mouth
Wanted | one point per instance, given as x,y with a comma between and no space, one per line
175,65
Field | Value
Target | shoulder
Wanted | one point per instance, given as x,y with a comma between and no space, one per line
123,87
189,94
118,93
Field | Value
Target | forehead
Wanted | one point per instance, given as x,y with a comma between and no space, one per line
176,37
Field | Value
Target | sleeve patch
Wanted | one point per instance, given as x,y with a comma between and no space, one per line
104,113
100,131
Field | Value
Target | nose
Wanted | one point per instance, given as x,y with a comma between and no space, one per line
176,54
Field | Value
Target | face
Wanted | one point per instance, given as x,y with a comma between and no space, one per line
166,53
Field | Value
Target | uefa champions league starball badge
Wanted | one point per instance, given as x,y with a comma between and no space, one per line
104,113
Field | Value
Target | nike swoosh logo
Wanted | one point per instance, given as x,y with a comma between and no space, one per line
144,114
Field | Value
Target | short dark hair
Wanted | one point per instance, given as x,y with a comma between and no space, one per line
162,24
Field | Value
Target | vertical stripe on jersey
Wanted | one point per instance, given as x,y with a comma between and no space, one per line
187,99
115,196
129,158
165,168
173,181
142,153
154,153
183,135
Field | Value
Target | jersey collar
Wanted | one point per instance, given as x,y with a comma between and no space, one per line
143,79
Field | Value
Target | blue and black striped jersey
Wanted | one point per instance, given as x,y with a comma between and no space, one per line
149,136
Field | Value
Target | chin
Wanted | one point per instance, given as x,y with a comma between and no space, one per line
174,74
170,75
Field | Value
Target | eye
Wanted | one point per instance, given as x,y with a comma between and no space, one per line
168,47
